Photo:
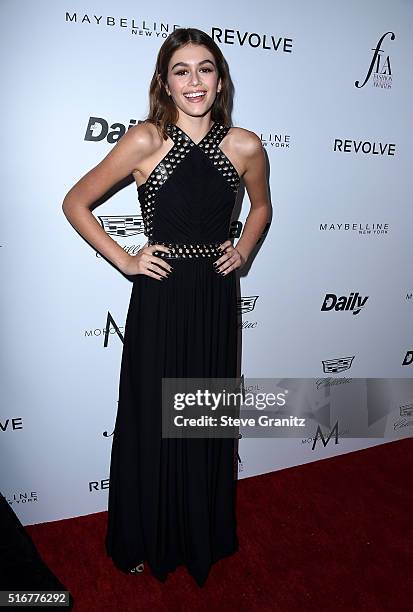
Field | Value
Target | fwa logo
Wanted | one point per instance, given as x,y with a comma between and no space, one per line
380,66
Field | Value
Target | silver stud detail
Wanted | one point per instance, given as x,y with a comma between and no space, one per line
161,173
218,157
181,250
182,144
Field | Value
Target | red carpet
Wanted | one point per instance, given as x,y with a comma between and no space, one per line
334,535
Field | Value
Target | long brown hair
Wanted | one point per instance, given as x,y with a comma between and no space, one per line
162,109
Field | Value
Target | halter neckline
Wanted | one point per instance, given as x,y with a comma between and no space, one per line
210,132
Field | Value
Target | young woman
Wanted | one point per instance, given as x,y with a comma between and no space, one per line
172,500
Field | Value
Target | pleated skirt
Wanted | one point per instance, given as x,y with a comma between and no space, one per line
172,501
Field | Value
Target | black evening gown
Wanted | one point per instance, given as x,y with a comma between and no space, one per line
172,501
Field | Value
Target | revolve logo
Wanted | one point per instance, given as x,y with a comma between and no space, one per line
252,39
11,424
366,147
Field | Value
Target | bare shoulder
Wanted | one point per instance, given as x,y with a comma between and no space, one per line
145,138
244,148
138,143
245,141
145,132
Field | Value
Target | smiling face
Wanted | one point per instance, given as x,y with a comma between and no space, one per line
193,79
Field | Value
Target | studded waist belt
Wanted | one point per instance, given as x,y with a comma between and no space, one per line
178,250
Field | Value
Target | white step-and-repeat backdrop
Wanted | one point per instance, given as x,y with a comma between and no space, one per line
328,87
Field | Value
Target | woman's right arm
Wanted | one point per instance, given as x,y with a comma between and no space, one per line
121,161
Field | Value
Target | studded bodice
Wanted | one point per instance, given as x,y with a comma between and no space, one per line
189,196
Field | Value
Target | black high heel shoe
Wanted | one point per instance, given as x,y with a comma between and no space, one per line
138,569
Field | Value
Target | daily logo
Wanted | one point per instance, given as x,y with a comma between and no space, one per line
98,129
408,358
352,303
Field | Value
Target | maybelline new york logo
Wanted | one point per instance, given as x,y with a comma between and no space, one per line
276,141
361,229
22,498
380,66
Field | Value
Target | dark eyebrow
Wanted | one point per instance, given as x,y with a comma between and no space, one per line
185,63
